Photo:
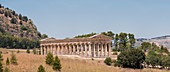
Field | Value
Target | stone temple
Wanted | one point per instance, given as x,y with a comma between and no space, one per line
96,46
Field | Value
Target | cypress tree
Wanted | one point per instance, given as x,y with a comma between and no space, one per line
56,64
1,67
41,69
7,61
49,58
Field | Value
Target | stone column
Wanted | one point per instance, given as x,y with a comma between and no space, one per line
98,50
54,49
85,53
89,50
78,49
58,49
102,50
94,50
70,52
61,49
51,49
73,49
110,48
81,49
105,45
67,52
45,50
64,49
41,49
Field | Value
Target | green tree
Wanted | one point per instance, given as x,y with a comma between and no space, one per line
116,41
145,46
108,61
7,61
14,21
41,69
49,58
166,61
56,64
153,59
85,35
131,39
1,67
13,59
1,56
43,36
20,17
123,41
25,18
23,27
109,34
131,58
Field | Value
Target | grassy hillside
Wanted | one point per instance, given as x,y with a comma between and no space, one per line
30,63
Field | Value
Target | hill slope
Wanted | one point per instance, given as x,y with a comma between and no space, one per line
162,40
17,25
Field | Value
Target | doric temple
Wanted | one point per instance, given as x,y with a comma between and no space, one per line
95,46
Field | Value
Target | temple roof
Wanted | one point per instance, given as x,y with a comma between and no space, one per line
48,39
98,37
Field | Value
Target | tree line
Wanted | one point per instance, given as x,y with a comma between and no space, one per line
148,55
121,41
9,41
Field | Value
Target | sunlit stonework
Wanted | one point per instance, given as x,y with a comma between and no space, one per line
95,46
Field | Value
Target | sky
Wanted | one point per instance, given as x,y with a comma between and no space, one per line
68,18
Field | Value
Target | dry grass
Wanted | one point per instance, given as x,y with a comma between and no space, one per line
30,63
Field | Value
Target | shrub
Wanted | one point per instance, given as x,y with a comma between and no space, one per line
20,17
49,58
25,18
13,12
92,59
1,67
18,51
28,50
152,58
34,51
108,61
20,23
13,59
23,27
1,56
6,14
131,58
43,36
14,21
7,61
56,64
41,69
166,61
115,53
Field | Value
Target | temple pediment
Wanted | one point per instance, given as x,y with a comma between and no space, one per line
100,36
48,39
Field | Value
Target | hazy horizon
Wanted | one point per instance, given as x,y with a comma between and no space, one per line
67,18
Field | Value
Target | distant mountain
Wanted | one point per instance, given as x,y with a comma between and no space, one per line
17,25
162,40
